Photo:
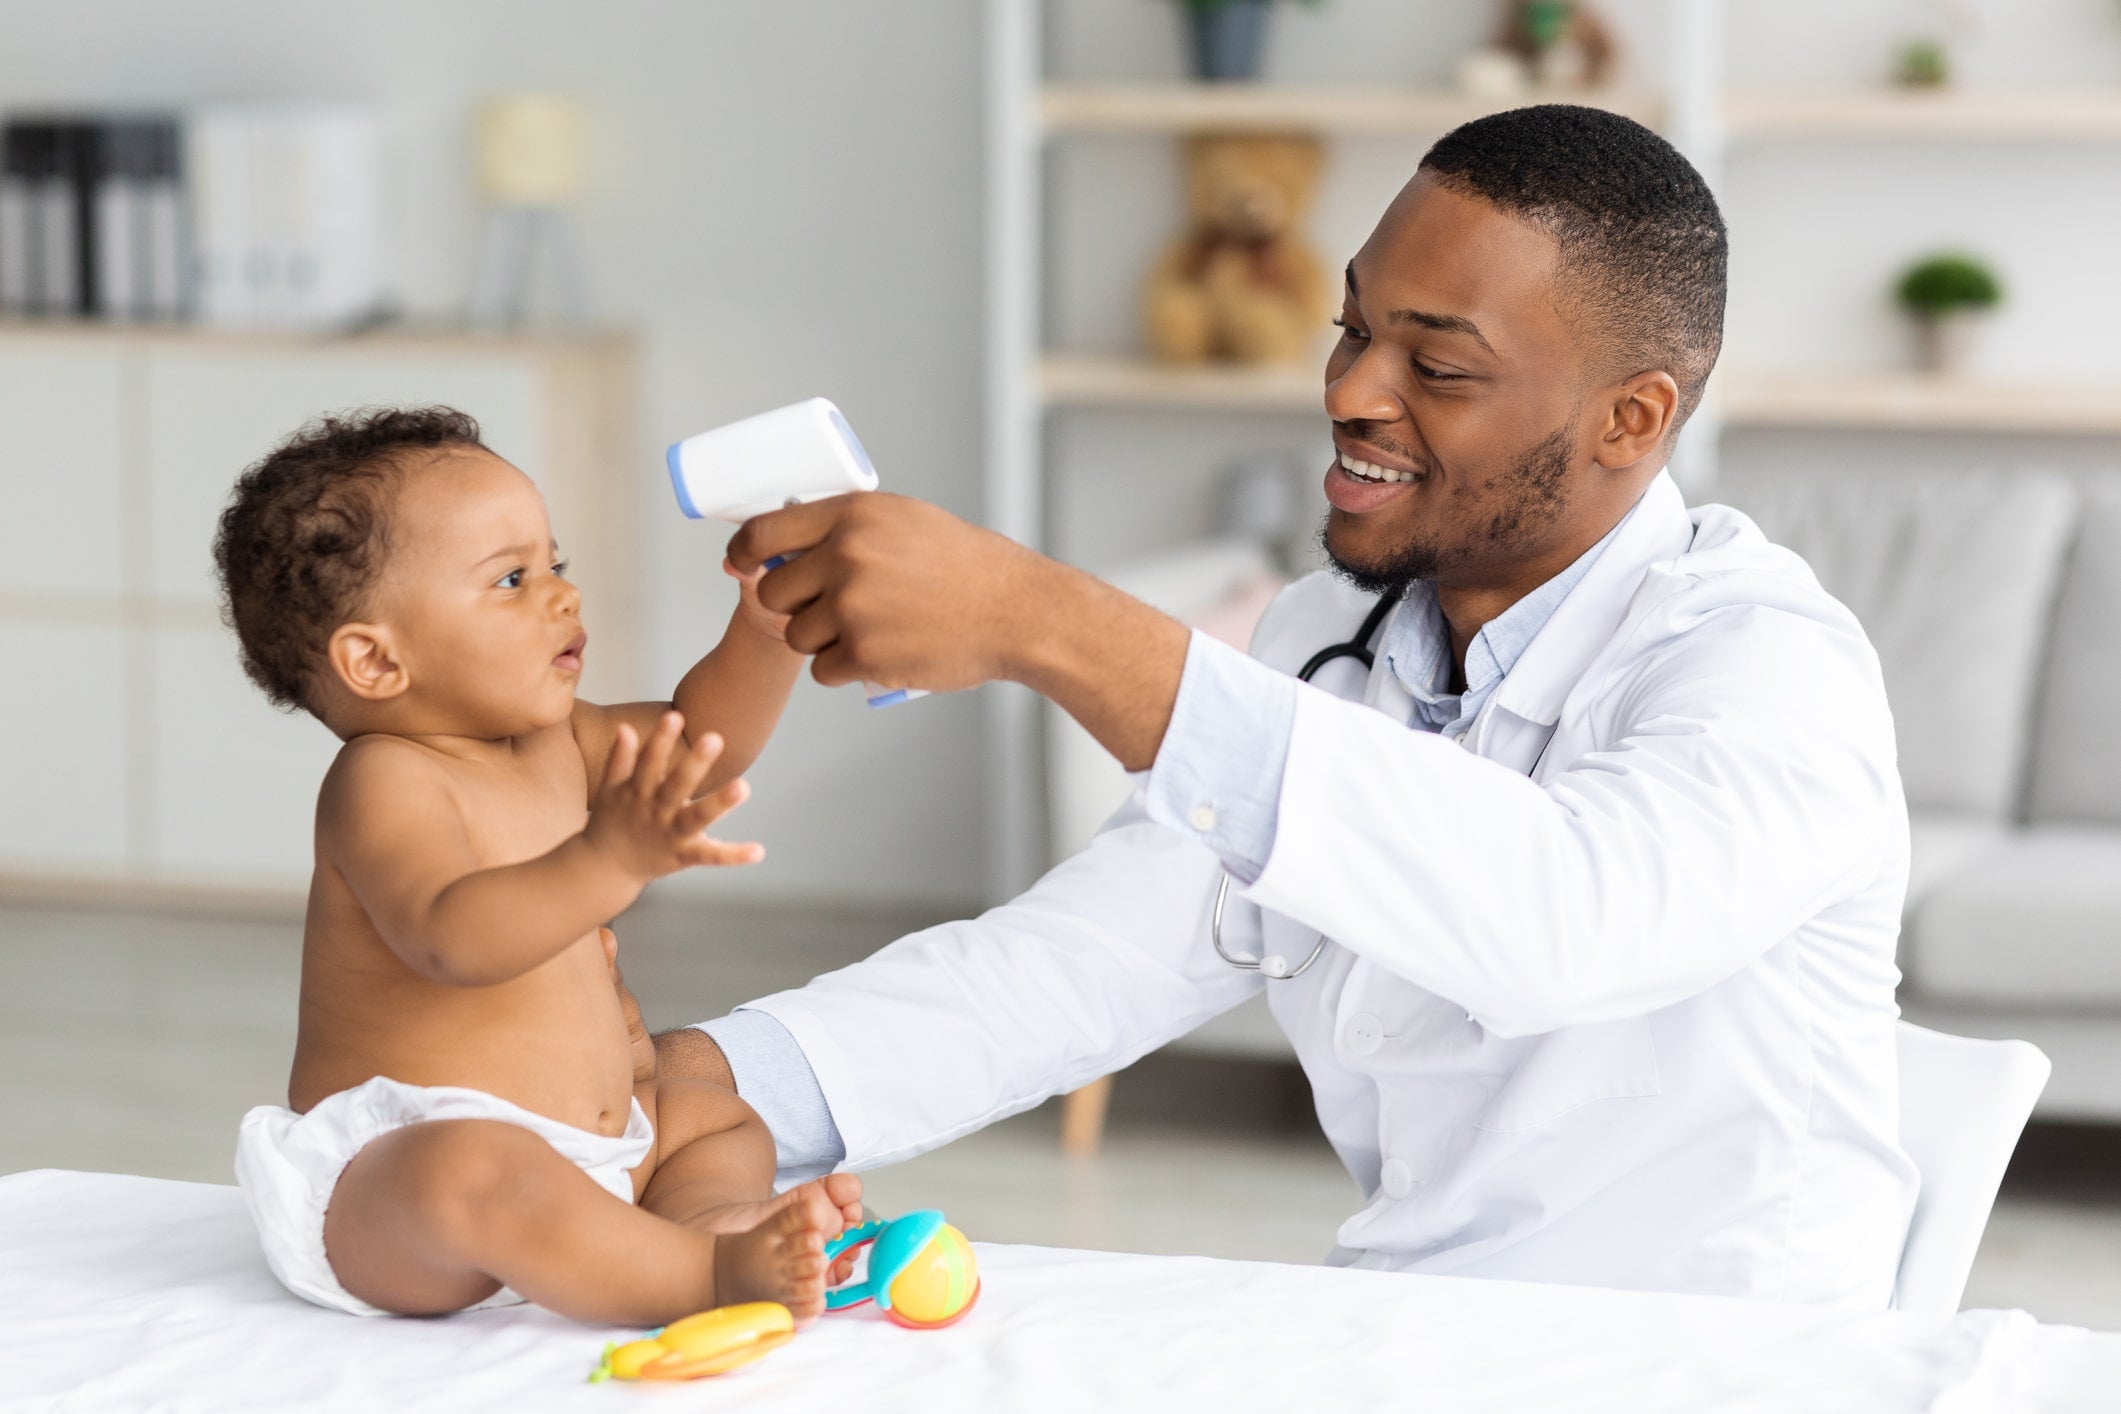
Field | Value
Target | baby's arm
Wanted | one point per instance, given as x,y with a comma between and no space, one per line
738,690
388,821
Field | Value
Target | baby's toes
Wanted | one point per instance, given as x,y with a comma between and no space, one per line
844,1192
802,1266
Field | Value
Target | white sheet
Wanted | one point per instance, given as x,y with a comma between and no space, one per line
141,1294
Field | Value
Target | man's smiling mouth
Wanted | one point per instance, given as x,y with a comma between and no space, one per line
1371,472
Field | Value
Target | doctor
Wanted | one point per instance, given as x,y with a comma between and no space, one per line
1607,848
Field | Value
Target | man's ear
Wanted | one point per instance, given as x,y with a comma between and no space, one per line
1638,419
366,663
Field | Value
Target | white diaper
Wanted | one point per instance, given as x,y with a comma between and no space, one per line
289,1164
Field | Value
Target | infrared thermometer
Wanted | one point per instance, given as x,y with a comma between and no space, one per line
802,452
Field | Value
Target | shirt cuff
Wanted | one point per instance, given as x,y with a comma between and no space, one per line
1217,777
774,1077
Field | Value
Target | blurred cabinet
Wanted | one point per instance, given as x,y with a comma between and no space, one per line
136,753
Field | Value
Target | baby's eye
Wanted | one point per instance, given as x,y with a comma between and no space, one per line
512,580
560,568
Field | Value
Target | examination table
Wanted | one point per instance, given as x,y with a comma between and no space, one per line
120,1293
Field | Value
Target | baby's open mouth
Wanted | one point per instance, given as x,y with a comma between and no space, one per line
571,655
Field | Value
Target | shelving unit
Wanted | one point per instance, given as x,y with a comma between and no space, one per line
2003,116
1066,108
1030,384
156,768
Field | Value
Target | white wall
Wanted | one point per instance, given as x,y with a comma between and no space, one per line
785,201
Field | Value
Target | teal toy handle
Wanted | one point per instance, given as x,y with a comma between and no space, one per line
858,1292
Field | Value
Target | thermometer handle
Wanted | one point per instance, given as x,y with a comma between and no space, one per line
878,694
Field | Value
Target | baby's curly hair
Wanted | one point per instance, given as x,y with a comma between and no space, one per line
303,537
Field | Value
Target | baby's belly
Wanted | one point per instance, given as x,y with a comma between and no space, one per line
553,1041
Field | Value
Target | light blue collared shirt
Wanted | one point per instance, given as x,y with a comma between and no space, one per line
1218,775
1217,778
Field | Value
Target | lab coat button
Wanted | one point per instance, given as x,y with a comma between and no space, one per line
1398,1178
1204,818
1365,1034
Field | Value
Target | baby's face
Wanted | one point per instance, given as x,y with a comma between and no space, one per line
487,628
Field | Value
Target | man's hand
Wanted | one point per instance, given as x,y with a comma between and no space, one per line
750,612
891,590
894,591
691,1054
644,818
637,1039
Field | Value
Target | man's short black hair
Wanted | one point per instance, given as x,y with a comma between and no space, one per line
302,540
1643,247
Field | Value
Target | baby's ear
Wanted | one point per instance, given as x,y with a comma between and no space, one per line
363,661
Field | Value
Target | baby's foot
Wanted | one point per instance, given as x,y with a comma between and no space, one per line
781,1256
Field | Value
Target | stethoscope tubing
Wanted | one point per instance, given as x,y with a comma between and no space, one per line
1274,965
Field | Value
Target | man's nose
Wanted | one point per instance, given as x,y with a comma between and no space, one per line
1364,392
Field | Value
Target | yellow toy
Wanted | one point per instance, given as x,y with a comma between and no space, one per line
921,1274
706,1344
921,1270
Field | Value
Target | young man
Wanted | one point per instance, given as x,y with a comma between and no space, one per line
1608,850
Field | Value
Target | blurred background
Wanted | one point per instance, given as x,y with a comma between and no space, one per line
980,226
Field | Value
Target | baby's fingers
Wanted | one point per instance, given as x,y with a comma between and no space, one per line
662,744
625,756
709,808
704,851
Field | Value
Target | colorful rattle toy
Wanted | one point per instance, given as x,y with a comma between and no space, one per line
921,1270
706,1344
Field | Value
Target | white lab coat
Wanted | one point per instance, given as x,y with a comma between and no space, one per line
1610,994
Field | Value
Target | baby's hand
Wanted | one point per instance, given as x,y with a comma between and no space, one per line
750,610
644,817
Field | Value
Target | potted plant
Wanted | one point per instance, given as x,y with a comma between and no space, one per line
1943,294
1227,36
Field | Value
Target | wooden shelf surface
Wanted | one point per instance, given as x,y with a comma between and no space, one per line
384,338
2086,115
1078,380
1212,107
1888,401
1912,402
2090,115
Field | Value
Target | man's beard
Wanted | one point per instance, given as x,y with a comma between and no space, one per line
1532,500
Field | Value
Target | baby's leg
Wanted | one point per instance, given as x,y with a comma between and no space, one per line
714,1173
437,1216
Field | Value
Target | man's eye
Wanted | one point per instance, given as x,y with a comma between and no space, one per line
512,580
1434,375
1349,332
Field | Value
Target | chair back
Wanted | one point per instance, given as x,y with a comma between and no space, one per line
1963,1104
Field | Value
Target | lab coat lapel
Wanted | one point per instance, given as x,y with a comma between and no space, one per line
1519,720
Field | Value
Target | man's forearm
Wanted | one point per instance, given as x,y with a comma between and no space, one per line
691,1054
1110,661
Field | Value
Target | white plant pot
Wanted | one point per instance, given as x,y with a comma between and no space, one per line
1944,345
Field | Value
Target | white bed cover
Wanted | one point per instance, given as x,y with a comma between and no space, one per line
120,1293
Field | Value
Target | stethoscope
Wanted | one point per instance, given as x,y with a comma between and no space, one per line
1274,964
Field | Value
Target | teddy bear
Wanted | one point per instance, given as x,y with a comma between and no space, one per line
1241,285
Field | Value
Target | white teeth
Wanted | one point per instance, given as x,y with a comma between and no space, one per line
1370,471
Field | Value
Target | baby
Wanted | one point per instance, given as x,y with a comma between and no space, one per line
475,1113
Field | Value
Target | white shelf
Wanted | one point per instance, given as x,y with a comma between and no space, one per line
2091,115
2003,115
1882,401
1078,380
1916,403
1205,107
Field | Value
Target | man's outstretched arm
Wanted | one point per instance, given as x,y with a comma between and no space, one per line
751,1053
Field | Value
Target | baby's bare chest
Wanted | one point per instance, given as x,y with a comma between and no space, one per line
521,813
